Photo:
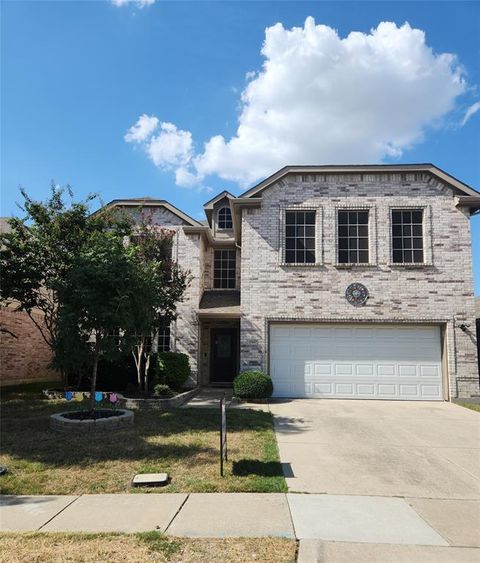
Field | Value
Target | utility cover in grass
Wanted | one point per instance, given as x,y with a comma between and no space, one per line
150,480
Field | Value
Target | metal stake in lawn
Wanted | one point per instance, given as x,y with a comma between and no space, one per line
223,432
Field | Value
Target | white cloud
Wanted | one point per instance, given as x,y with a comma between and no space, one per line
472,110
320,98
171,148
138,3
143,129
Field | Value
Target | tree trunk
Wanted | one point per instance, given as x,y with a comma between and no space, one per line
93,386
137,352
146,369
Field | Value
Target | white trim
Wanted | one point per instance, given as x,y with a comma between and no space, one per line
318,210
372,235
427,236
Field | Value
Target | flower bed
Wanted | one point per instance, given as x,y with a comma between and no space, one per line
101,420
158,402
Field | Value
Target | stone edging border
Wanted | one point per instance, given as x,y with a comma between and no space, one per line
59,423
160,404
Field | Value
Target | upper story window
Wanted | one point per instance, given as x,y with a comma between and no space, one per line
300,237
407,236
353,237
225,218
224,269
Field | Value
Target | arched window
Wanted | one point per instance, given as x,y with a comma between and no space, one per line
224,218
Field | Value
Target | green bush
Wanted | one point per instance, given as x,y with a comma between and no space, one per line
162,390
253,385
173,369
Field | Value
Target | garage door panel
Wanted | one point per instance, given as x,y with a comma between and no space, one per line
365,390
321,369
351,361
407,370
430,391
323,388
366,370
429,371
343,369
386,370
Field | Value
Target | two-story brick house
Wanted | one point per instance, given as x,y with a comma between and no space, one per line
339,281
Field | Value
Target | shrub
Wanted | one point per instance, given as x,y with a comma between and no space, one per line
173,369
253,385
162,390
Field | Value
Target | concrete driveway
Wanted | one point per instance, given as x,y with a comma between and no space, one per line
423,450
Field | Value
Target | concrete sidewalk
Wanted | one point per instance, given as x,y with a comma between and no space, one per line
314,519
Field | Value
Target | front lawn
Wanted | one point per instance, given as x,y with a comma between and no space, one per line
137,548
182,442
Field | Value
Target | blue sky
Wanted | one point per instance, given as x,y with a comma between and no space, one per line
77,76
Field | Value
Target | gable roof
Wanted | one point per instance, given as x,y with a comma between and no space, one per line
359,169
150,202
208,207
211,202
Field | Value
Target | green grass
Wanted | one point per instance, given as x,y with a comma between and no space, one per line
182,442
156,541
471,406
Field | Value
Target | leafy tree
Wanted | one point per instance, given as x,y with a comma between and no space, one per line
39,251
98,301
162,286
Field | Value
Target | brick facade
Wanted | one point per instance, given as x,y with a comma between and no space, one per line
440,292
26,358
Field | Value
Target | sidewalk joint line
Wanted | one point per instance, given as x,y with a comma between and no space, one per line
291,519
59,512
408,503
177,513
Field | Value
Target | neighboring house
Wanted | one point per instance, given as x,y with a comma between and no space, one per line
272,270
24,356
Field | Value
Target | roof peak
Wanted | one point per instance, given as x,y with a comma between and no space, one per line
359,168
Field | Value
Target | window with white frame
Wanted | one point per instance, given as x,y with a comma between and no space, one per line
164,339
352,233
407,236
300,237
225,218
224,269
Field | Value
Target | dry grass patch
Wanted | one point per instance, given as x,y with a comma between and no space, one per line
471,406
182,442
138,548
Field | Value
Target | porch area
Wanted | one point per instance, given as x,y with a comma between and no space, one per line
219,327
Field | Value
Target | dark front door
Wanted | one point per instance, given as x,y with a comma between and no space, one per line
224,354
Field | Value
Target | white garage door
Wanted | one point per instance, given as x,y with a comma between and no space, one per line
356,361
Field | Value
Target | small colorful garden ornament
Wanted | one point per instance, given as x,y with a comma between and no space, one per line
113,397
98,396
69,395
79,397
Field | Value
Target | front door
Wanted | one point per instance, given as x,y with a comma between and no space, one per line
224,355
